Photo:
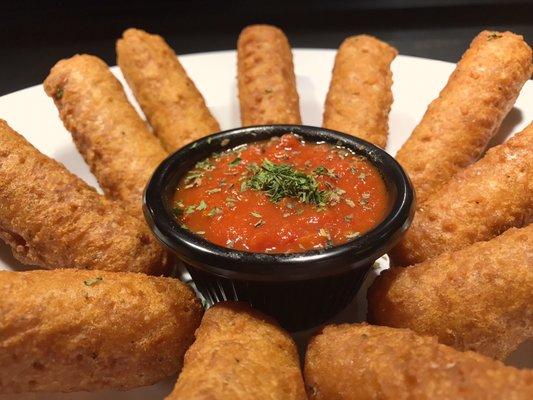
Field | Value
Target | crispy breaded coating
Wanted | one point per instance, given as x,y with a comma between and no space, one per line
479,298
170,100
480,202
360,362
52,219
360,96
239,354
66,330
108,132
458,125
267,85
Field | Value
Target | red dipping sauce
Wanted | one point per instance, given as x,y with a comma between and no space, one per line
283,195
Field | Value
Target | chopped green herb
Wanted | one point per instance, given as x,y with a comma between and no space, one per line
94,281
348,217
193,178
320,170
205,165
256,214
190,209
362,176
334,198
331,173
215,190
201,206
177,211
350,203
352,235
282,180
235,162
214,211
59,93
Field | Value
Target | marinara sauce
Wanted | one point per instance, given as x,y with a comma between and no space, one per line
281,195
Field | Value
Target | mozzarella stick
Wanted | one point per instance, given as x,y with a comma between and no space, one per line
108,132
360,362
267,85
239,354
65,330
458,125
479,298
52,219
171,102
360,96
482,201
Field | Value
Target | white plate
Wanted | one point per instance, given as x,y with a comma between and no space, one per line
417,81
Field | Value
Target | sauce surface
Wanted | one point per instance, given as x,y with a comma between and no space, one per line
284,195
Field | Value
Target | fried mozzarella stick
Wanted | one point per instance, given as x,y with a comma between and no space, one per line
360,362
480,202
479,298
458,125
52,219
170,100
239,354
267,85
66,330
108,132
360,95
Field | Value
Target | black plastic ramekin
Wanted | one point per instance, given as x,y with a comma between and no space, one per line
300,290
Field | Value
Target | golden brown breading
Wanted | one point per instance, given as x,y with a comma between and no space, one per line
52,219
479,203
67,330
239,354
170,100
359,362
108,132
479,298
360,95
267,85
458,125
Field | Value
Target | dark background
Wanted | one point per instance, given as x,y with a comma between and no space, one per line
36,34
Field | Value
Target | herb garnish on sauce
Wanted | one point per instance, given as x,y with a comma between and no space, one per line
282,180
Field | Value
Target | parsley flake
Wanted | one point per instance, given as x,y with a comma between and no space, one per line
94,281
235,162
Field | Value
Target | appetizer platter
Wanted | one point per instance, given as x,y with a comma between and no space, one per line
281,227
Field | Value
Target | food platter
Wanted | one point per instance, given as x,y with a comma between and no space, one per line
416,82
